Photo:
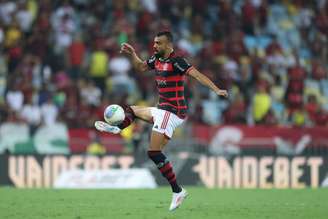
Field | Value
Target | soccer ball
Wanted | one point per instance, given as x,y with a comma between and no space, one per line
114,114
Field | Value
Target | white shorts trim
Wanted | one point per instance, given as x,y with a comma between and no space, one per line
165,122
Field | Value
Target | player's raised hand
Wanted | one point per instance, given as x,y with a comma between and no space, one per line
223,93
127,48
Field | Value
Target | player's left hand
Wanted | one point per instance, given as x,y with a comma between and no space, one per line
223,93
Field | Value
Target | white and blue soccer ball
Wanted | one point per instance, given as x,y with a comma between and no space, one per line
114,114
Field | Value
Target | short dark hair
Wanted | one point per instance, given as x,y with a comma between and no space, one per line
166,33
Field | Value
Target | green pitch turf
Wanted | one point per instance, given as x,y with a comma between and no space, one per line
142,204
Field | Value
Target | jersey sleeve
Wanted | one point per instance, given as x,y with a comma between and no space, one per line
181,65
151,62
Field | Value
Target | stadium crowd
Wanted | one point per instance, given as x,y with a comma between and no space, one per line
60,60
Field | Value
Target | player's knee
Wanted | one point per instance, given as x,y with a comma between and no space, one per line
152,149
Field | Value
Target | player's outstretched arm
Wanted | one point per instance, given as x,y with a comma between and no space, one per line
137,62
203,79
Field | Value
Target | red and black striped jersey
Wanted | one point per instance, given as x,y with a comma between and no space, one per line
170,77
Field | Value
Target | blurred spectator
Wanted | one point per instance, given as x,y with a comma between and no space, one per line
119,67
64,25
235,114
294,93
321,117
98,67
31,114
13,35
90,93
261,103
277,93
248,17
299,118
321,19
3,81
1,34
49,112
3,113
15,98
37,43
7,8
95,147
77,52
24,17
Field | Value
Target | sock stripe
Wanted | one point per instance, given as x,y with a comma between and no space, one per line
167,172
170,175
165,168
172,179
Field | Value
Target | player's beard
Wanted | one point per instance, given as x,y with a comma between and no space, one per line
159,54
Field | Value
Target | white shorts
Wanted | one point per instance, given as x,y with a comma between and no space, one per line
165,122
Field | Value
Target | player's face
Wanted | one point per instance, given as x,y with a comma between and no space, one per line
161,46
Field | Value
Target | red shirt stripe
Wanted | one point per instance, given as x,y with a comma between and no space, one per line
177,107
171,98
170,89
171,78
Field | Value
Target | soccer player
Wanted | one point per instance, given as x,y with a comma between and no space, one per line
171,110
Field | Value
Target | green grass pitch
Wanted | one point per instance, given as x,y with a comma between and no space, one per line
142,204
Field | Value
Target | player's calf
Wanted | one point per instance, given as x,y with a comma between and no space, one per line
165,167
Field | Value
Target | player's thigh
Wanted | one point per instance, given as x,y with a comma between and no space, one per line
143,113
157,141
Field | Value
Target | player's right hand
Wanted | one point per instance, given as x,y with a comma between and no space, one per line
127,48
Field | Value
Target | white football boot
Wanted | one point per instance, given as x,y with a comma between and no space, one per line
177,199
105,127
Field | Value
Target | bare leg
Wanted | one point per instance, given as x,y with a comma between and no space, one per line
157,141
143,113
133,112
